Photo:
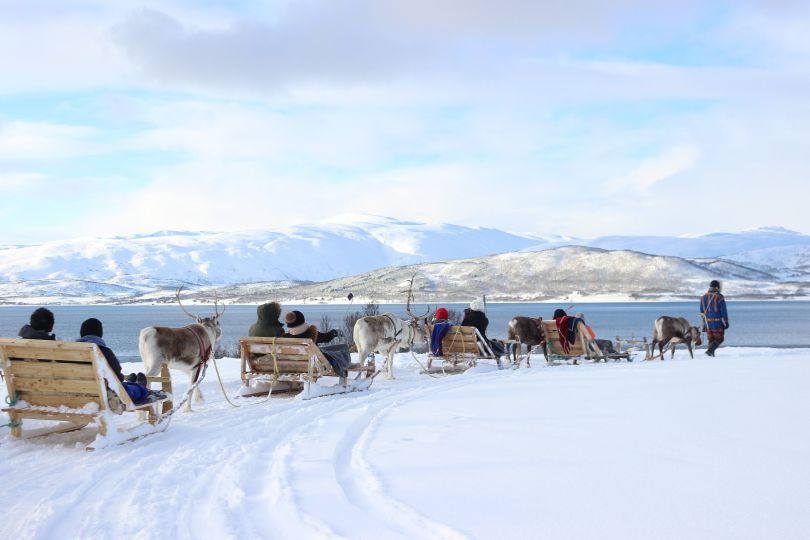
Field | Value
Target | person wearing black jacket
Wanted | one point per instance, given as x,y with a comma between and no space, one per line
135,385
40,325
337,355
475,316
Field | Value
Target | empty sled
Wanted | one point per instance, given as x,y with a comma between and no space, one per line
462,348
294,365
72,383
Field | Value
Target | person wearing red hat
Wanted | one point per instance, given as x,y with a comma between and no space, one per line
440,328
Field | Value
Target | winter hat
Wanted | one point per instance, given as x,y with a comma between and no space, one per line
42,319
580,315
294,318
715,284
441,313
91,327
559,313
477,305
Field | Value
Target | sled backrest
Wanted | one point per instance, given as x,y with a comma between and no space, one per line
281,356
465,342
553,341
52,373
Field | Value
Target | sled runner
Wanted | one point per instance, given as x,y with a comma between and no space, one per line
462,348
294,365
72,383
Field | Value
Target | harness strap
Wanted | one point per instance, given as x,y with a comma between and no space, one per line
205,351
275,361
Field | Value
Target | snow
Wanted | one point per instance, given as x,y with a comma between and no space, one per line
703,448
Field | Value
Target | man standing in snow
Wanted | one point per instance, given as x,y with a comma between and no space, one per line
714,315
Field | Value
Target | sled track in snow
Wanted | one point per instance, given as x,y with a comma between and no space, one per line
283,469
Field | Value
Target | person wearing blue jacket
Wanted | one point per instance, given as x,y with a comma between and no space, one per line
441,326
715,316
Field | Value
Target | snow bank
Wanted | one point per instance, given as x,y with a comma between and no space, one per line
704,448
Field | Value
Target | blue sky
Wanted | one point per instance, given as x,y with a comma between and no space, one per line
576,118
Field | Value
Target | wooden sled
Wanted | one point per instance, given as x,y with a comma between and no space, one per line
287,365
462,348
582,348
72,383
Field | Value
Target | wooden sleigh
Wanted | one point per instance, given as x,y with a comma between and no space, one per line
294,365
73,384
583,346
462,348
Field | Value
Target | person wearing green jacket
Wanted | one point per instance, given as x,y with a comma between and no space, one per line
267,324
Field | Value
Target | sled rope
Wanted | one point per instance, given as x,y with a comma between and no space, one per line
222,386
13,400
426,369
13,424
168,416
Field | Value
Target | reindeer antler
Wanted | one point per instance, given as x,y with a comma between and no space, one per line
410,297
216,304
177,294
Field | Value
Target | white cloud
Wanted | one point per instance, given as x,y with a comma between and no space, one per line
21,140
651,171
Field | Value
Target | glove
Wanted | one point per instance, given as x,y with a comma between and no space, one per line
725,325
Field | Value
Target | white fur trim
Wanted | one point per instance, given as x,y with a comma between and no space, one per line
298,330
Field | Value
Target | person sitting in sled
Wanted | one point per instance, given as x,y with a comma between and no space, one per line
475,316
135,385
440,328
337,355
40,325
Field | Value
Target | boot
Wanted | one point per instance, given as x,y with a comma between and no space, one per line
712,347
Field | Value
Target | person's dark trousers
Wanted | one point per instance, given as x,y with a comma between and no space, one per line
715,338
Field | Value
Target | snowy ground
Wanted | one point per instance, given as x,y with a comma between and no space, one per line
704,448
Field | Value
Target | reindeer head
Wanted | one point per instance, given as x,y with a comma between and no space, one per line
695,331
210,323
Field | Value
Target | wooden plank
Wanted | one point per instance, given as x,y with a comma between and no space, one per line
304,357
51,370
50,353
279,349
44,415
54,400
72,386
283,367
46,344
267,340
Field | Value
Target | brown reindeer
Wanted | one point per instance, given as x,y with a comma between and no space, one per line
525,330
186,349
673,330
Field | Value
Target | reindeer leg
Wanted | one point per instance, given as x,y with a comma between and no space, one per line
389,362
689,346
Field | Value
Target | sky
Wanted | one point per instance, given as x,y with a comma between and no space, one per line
582,117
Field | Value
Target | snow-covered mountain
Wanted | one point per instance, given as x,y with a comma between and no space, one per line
340,247
565,273
140,267
729,245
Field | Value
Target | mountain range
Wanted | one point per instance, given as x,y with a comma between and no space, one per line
369,255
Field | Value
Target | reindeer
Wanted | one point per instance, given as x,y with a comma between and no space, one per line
672,330
186,349
387,333
525,330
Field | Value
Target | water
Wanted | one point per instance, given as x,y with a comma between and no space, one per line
753,324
